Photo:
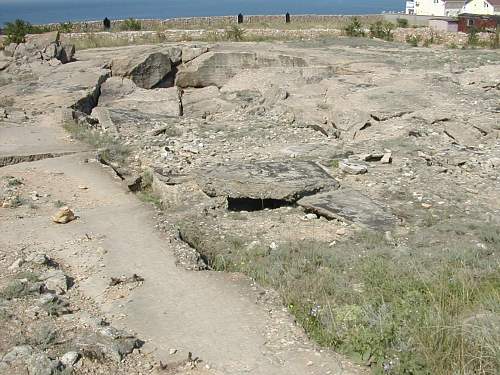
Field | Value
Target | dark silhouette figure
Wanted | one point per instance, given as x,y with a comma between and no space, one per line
106,23
287,17
240,18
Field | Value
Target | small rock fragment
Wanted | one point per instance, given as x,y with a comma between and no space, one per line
56,281
387,158
64,216
69,359
17,264
351,168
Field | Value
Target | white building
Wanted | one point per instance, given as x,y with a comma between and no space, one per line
443,8
491,7
450,8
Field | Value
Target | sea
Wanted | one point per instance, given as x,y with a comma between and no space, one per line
54,11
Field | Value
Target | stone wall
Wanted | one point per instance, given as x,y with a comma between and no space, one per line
426,36
327,21
431,36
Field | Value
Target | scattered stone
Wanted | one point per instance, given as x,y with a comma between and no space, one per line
39,259
387,158
54,305
64,216
17,264
351,168
70,359
341,231
351,206
310,216
426,205
55,281
105,345
126,280
22,353
41,364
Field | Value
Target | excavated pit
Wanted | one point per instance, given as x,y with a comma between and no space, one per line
251,205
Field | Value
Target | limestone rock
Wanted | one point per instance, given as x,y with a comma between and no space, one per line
41,364
108,343
65,53
175,54
277,180
4,64
146,70
41,41
191,53
351,168
216,68
10,49
55,281
387,158
21,353
64,216
39,258
351,206
69,359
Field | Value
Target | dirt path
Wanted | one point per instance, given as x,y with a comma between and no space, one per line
222,318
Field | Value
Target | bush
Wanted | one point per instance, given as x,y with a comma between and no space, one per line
413,40
382,30
472,38
354,28
65,27
235,33
402,22
495,39
131,25
17,30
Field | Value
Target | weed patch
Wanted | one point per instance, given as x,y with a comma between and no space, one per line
112,149
399,307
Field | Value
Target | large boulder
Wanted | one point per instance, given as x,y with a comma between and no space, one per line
216,68
10,49
191,53
146,70
40,42
65,53
265,180
351,206
122,94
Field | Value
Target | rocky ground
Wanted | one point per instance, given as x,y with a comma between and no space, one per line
247,150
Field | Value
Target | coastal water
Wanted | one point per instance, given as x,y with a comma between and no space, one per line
45,11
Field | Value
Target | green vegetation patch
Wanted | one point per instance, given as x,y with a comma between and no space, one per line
404,306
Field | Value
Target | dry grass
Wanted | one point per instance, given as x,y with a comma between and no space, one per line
404,307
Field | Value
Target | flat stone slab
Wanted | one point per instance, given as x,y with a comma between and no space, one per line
280,180
351,206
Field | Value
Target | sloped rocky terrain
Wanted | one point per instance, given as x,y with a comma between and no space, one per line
257,155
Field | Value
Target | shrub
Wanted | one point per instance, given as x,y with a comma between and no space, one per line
402,22
472,38
131,25
354,28
382,30
17,30
495,39
65,27
413,40
235,33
